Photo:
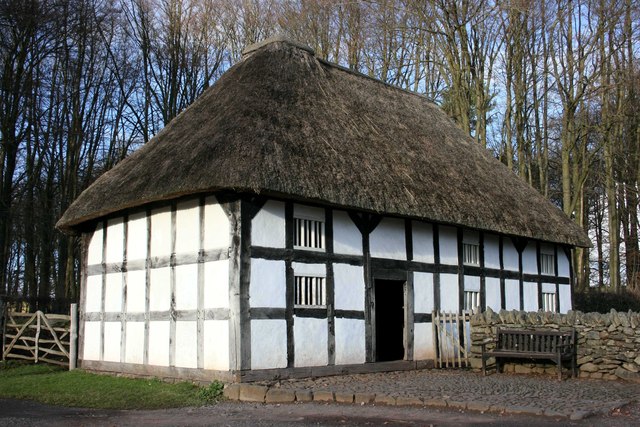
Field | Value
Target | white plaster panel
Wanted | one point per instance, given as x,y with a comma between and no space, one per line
112,341
94,255
349,287
137,236
93,294
216,284
530,259
388,239
187,287
160,289
186,344
91,341
188,227
510,255
530,292
350,341
448,245
492,293
565,298
216,225
423,292
423,348
511,294
216,344
304,269
422,241
161,232
310,338
136,291
268,226
268,344
347,239
134,351
563,264
491,251
308,212
115,240
113,293
472,283
159,343
449,293
549,288
268,283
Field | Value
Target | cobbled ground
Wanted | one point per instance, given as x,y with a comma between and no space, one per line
532,394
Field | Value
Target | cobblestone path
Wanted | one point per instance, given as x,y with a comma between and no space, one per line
544,395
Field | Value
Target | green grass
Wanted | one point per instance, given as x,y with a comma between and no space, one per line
56,386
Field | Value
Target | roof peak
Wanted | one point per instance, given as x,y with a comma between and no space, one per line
276,39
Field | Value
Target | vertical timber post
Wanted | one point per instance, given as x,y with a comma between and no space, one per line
73,337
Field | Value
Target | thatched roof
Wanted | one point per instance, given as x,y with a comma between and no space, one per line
282,122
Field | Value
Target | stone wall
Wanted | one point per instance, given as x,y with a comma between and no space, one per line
608,344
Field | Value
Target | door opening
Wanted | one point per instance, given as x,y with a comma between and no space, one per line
389,319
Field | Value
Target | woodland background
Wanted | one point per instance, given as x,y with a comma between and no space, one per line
550,87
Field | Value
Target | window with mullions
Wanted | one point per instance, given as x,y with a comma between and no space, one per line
549,301
310,291
547,262
471,253
471,300
308,233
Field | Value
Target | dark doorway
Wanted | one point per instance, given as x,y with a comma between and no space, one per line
389,297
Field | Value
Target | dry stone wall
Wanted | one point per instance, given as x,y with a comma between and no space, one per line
608,344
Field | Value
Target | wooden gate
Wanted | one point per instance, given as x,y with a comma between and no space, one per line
451,339
40,337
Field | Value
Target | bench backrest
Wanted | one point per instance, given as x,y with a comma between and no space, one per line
535,341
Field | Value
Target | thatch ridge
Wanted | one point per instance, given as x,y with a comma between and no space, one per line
282,122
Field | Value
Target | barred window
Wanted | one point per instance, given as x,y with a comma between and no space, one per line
549,301
308,233
471,253
471,300
309,291
547,264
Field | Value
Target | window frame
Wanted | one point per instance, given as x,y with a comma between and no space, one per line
550,269
314,285
474,247
309,220
473,296
549,297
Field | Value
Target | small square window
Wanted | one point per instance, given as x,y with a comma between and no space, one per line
549,301
308,233
547,262
471,253
310,291
471,300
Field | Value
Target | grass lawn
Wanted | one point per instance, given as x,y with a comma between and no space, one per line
56,386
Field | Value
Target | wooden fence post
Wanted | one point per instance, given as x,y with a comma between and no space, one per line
38,315
73,338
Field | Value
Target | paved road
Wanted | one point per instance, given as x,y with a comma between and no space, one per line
16,413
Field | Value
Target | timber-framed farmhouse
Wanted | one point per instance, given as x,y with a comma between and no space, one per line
303,219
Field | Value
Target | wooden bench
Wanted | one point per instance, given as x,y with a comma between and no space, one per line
554,345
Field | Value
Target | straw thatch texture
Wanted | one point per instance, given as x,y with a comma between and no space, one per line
281,122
